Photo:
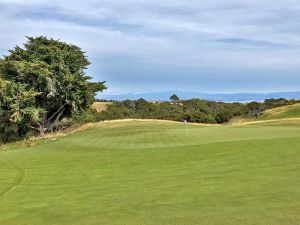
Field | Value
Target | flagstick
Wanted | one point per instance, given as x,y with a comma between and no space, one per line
186,128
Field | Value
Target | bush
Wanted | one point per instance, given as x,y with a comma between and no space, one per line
193,110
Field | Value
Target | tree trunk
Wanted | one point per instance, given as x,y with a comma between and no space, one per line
53,124
42,131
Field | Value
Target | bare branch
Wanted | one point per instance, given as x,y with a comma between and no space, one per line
56,112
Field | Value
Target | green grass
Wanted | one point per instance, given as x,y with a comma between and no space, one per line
150,173
292,111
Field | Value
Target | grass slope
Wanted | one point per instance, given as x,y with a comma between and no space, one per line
291,111
135,173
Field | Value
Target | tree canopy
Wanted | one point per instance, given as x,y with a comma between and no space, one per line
174,98
43,82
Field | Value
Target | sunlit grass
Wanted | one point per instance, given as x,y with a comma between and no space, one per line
139,173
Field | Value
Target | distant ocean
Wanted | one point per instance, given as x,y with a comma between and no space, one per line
236,97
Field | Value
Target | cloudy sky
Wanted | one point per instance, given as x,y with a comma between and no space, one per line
161,45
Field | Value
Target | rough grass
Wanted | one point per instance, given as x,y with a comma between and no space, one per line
135,173
291,111
283,116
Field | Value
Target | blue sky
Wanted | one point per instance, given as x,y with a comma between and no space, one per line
153,45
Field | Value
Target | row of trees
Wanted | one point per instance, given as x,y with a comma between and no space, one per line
40,84
193,110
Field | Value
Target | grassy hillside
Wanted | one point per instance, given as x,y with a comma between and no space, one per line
291,111
136,173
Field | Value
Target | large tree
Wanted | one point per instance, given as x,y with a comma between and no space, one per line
55,70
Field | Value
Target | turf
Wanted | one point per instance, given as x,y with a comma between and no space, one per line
135,173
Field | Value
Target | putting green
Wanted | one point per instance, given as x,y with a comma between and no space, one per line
136,173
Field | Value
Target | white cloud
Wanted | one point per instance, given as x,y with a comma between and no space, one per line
169,33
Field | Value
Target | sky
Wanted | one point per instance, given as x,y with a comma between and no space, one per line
213,46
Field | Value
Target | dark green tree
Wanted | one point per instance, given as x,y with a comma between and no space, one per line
55,70
223,116
17,110
174,98
142,105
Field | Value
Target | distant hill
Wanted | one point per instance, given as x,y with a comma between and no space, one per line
237,97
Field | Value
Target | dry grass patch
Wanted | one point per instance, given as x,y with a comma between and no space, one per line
100,106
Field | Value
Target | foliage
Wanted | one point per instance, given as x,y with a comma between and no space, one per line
55,70
273,103
174,98
224,116
255,109
17,110
193,110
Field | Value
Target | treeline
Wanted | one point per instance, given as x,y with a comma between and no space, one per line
193,110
